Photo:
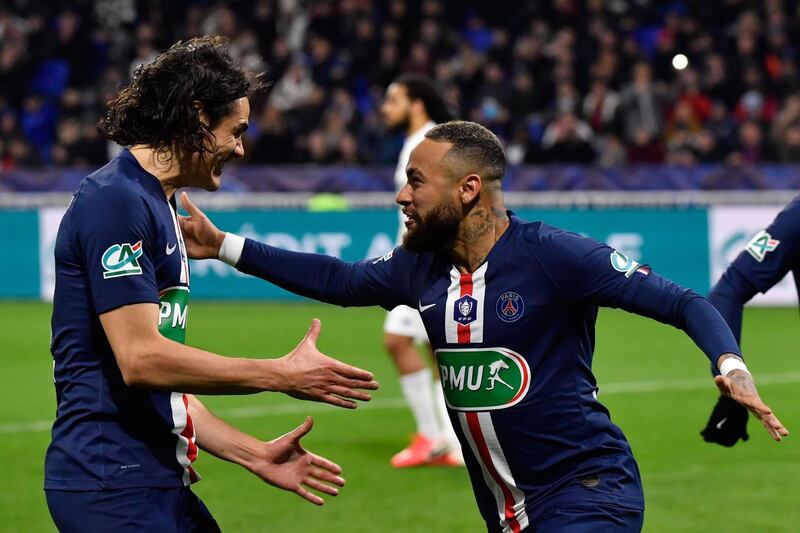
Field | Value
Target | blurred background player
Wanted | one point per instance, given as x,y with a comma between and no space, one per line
768,257
413,105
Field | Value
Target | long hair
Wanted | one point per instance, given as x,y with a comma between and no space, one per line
157,108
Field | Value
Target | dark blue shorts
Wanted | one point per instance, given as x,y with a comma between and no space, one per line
127,510
582,517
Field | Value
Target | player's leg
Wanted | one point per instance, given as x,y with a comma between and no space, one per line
581,517
416,381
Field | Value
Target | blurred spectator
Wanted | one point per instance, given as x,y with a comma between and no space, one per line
519,68
568,139
644,104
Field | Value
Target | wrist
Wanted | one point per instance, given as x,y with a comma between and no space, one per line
729,363
229,247
273,375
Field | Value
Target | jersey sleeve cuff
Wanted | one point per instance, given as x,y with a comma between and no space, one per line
231,249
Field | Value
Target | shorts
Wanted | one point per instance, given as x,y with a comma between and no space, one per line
130,510
583,517
406,322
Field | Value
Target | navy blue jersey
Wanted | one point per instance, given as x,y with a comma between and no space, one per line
773,252
769,256
514,342
119,243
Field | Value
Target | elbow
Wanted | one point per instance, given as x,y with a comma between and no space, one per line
135,364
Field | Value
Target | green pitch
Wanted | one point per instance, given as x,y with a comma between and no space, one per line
651,377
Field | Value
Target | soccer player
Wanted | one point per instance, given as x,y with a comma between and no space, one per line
766,259
128,426
510,308
413,105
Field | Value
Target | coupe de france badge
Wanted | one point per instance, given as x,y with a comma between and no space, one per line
465,310
760,245
122,260
510,307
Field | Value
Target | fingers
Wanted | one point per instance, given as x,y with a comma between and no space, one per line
310,496
338,402
346,392
330,466
313,331
301,430
352,372
324,475
320,486
187,204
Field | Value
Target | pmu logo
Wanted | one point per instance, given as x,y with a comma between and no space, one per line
483,379
122,260
465,310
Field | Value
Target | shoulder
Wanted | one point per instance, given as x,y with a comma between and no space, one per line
547,239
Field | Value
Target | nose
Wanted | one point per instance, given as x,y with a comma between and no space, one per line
404,195
238,151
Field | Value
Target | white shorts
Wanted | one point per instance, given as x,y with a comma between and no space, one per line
405,321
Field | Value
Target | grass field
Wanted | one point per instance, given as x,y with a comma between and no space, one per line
651,377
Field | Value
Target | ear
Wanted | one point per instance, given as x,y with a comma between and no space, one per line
470,189
198,106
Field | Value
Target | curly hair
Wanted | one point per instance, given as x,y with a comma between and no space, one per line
158,108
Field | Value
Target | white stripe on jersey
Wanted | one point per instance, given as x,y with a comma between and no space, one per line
478,292
181,247
179,417
498,463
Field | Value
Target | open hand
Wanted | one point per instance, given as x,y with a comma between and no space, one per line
739,385
201,236
311,375
284,463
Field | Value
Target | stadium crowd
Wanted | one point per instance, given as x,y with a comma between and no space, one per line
564,81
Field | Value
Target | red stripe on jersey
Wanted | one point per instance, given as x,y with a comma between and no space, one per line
486,457
188,434
466,289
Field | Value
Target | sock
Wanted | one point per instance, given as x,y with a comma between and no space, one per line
418,391
447,432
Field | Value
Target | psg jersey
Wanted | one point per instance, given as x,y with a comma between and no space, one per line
119,243
514,342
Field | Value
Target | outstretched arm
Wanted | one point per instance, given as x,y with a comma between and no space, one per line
281,462
593,272
148,359
320,277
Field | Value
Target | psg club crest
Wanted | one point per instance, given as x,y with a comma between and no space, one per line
510,307
465,310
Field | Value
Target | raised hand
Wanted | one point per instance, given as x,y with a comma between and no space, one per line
284,463
311,375
739,385
201,236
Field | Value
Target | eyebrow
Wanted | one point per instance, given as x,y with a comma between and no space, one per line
410,171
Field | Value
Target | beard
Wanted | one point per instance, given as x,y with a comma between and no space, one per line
401,125
435,230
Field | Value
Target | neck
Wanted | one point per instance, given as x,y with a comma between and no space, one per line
415,124
164,166
478,233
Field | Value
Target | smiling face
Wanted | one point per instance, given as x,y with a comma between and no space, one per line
430,199
207,167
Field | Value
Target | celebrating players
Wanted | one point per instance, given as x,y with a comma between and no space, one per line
413,105
128,426
510,309
767,258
